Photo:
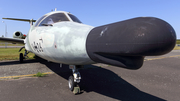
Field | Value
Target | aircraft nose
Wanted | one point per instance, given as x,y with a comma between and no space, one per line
142,36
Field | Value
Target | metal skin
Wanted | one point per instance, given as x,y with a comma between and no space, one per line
64,42
126,43
123,44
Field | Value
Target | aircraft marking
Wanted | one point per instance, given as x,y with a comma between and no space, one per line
41,39
55,45
37,47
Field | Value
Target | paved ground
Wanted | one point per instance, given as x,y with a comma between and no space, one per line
11,46
157,80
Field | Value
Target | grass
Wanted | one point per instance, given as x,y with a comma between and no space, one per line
176,48
9,44
12,54
177,42
16,78
39,74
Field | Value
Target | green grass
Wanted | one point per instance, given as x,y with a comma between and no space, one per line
178,41
39,74
176,48
12,54
16,78
9,44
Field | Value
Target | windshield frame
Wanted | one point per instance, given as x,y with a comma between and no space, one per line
39,20
53,17
74,18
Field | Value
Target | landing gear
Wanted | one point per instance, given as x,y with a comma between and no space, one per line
25,54
75,79
21,57
71,82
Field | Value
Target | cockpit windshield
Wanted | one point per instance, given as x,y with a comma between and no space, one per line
37,22
57,17
74,18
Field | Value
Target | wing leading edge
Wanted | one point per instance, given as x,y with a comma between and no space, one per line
27,20
12,40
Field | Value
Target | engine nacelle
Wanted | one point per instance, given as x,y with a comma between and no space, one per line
19,35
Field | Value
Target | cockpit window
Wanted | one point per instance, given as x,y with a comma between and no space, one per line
74,18
37,22
53,19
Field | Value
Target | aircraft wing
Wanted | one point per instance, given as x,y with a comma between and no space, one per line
27,20
12,40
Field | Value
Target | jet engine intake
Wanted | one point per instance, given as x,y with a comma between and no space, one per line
19,35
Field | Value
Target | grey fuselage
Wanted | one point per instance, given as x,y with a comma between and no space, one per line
63,42
60,37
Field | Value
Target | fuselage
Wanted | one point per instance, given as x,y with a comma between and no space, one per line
60,37
61,42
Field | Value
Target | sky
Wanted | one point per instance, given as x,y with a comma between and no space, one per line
91,12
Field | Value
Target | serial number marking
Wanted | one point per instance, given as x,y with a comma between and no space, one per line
37,47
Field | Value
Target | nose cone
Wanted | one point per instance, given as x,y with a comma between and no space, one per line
142,36
157,36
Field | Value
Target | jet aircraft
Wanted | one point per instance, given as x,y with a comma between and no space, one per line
61,37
